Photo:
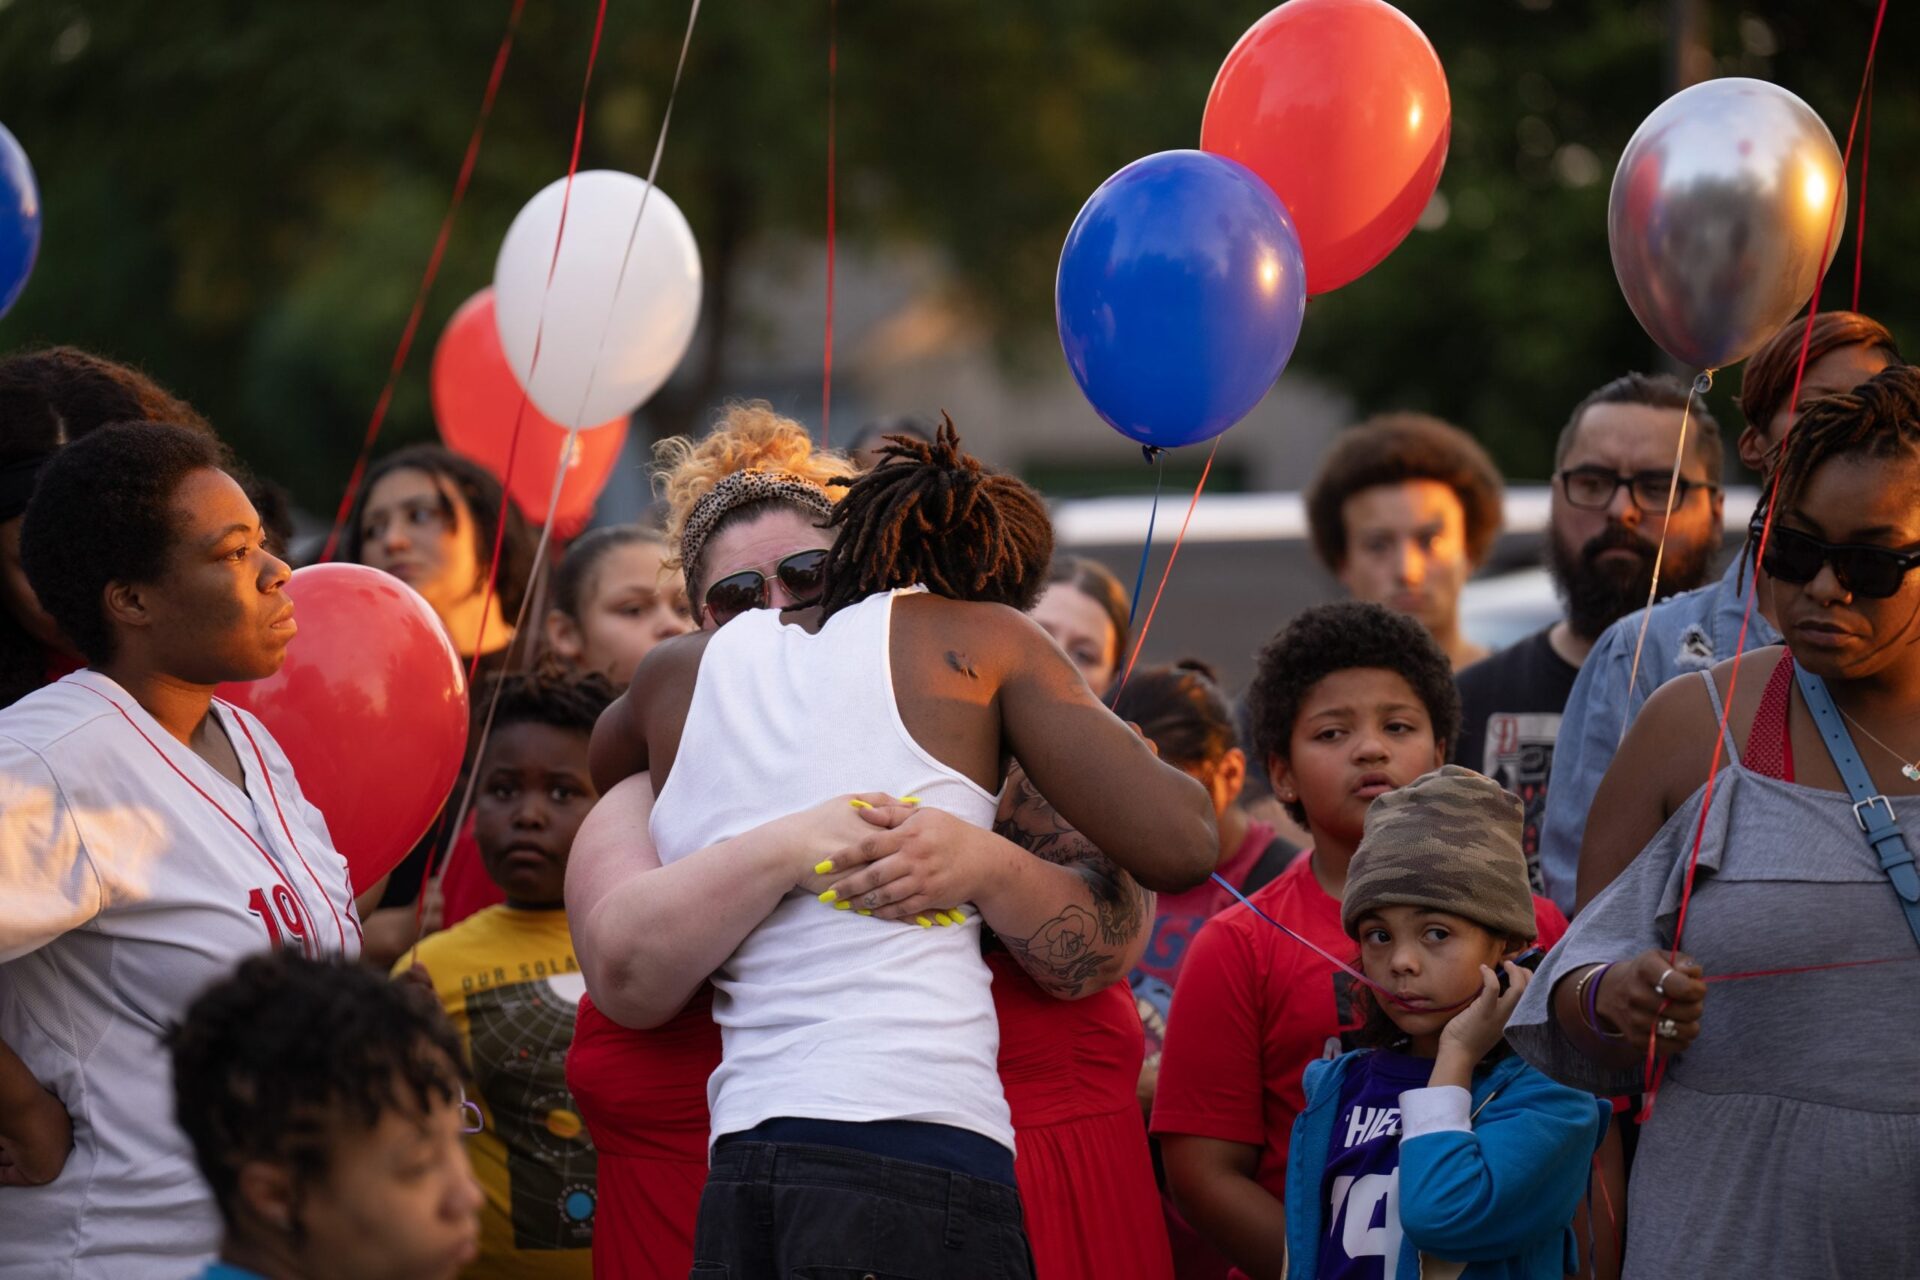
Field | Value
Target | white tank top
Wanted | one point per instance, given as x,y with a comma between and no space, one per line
824,1014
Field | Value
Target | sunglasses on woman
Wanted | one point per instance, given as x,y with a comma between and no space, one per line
1862,568
803,574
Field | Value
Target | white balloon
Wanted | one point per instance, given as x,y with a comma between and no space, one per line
608,341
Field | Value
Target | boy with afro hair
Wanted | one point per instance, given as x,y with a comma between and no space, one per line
1349,701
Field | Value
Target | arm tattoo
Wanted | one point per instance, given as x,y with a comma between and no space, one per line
1082,944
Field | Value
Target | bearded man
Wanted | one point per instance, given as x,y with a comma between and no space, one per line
1612,468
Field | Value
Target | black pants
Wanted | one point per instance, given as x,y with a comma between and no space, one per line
778,1211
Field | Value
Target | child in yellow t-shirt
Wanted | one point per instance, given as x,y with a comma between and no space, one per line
510,983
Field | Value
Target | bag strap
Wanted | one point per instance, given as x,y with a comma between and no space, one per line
1274,859
1873,811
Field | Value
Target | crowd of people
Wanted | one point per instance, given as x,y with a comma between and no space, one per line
832,903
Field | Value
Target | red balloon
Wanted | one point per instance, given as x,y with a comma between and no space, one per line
1342,107
475,401
370,707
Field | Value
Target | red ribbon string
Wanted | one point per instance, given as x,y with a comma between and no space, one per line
1351,971
826,358
412,328
1860,223
1655,1067
1808,968
513,443
1173,555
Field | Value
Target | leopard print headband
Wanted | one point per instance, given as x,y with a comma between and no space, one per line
742,489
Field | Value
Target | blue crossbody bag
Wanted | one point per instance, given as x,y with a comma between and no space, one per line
1873,811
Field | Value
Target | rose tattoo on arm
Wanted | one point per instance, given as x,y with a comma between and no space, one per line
1086,943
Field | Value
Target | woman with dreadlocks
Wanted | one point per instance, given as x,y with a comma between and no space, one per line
1792,873
857,1117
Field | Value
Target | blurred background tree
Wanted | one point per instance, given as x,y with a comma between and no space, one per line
242,197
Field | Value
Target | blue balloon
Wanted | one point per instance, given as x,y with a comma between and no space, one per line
19,220
1180,296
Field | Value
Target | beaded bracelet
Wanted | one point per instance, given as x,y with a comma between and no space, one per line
1587,995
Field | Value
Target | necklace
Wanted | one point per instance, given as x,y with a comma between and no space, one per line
1909,769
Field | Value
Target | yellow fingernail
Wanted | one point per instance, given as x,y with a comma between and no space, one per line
863,911
943,917
829,897
860,804
843,906
909,799
959,916
923,922
822,868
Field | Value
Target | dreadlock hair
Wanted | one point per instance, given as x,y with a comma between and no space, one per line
930,514
267,1061
550,694
1880,418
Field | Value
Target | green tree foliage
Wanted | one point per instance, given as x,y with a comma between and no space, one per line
242,197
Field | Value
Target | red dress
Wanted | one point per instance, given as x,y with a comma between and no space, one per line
1071,1071
643,1095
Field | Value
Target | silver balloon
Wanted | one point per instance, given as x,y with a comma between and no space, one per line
1717,216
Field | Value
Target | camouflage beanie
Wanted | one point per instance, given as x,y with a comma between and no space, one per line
1450,841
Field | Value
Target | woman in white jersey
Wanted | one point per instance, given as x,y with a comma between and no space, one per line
857,1114
150,837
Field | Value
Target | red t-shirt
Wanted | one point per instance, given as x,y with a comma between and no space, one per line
465,886
1252,1008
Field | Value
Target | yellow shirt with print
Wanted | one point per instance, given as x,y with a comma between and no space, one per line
511,987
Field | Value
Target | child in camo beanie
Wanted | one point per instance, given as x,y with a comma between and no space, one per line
1471,1168
1448,841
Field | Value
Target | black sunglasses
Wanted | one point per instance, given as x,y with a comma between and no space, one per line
803,573
1862,568
1592,488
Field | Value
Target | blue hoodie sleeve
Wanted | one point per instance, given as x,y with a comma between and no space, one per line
1513,1179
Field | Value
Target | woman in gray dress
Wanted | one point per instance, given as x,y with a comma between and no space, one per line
1785,1140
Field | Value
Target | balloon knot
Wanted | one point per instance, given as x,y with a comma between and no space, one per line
1703,383
1151,452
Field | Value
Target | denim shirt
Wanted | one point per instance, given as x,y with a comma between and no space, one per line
1694,631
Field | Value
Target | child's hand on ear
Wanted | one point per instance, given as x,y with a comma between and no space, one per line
1474,1032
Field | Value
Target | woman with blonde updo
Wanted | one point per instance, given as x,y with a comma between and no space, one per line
746,506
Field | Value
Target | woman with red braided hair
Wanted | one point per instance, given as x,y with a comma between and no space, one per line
1789,1091
857,1104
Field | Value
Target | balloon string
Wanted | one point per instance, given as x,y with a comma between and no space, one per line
573,431
1701,385
533,364
826,357
1145,627
1599,1178
1334,960
1655,1069
633,236
1153,513
513,449
412,328
1809,968
1860,225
